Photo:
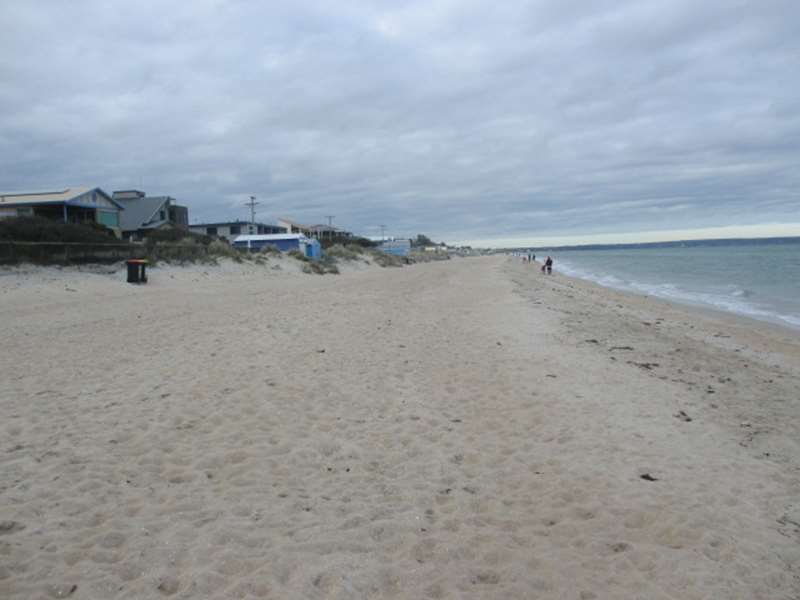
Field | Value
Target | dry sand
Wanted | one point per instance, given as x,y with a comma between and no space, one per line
468,429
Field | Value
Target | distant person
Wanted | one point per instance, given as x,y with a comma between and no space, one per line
549,265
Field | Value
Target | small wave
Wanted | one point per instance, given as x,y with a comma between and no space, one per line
603,279
739,293
733,299
793,320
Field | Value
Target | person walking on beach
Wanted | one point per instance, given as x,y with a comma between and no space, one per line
548,265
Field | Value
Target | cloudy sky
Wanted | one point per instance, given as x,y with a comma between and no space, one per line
471,121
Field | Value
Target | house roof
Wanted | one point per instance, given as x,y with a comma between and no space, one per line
53,197
139,212
320,228
293,223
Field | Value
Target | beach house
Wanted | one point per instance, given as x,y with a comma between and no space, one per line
294,227
82,205
328,232
285,242
320,232
230,230
145,213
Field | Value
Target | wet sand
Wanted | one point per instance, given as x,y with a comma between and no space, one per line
465,429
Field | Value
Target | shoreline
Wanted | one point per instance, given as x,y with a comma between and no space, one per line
459,429
774,320
693,308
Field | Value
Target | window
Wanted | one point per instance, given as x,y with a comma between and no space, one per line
235,229
163,215
211,231
108,218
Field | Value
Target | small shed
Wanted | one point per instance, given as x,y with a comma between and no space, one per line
285,242
396,247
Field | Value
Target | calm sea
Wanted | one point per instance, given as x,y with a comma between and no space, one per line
756,279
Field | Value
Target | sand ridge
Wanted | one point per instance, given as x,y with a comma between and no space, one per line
441,431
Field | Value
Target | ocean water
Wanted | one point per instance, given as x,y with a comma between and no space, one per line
756,279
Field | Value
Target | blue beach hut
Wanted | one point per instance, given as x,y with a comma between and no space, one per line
285,242
396,247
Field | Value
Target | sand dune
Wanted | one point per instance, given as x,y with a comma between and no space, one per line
468,429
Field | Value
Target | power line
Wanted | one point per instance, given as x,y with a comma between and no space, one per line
252,204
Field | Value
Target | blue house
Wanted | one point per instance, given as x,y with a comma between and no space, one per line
81,205
285,242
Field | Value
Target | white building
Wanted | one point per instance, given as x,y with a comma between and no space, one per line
230,230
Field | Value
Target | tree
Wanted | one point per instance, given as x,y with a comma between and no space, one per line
422,240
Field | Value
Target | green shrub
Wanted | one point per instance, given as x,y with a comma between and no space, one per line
39,229
347,241
423,257
176,252
349,252
321,267
189,250
387,260
329,264
297,255
174,234
269,249
224,249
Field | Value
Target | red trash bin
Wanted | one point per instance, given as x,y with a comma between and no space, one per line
137,270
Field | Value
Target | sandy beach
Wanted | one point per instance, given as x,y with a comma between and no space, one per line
462,429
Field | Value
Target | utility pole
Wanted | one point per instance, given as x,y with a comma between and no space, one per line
330,219
383,229
252,204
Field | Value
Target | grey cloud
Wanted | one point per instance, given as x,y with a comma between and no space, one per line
458,119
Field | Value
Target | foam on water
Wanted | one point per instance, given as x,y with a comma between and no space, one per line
757,283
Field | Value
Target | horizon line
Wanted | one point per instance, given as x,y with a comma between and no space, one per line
758,231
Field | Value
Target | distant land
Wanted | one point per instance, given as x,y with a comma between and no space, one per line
675,244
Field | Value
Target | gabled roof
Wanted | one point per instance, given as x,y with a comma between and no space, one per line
140,212
293,223
40,197
55,197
